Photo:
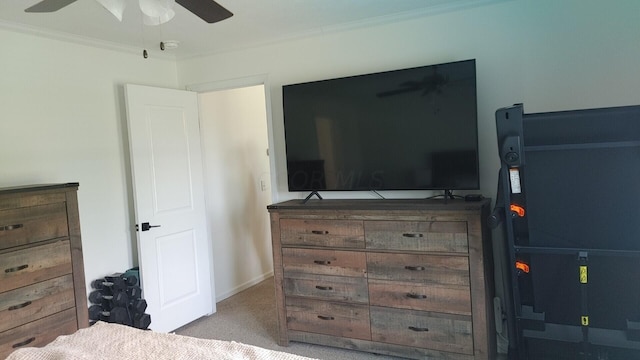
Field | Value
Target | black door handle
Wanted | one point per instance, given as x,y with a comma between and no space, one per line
146,226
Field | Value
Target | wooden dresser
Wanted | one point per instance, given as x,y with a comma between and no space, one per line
409,278
42,284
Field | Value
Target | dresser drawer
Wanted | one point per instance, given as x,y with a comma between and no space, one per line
422,329
35,301
32,224
38,333
442,236
331,233
341,288
453,299
324,262
330,318
427,269
34,264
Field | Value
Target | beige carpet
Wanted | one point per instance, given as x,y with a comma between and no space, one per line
250,318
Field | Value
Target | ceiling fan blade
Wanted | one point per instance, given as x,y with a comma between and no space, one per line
208,10
46,6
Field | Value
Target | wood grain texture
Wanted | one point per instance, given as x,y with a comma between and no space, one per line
352,289
34,264
328,317
430,330
419,296
278,277
409,352
77,260
33,224
446,236
42,269
38,333
324,262
331,233
35,301
428,269
427,274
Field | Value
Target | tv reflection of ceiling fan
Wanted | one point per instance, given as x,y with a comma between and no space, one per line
426,85
155,11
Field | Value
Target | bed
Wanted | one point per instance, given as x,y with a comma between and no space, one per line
112,341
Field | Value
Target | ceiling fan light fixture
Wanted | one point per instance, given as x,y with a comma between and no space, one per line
115,7
169,44
157,20
156,12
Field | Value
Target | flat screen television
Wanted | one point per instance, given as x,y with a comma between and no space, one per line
408,129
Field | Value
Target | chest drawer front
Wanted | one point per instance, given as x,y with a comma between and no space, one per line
452,333
324,262
453,299
32,224
330,318
35,301
38,333
427,269
332,233
442,236
34,264
324,287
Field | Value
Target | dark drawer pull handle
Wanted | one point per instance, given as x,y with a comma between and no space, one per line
413,235
319,232
16,307
416,296
10,227
324,287
17,268
321,317
418,329
26,342
322,262
415,268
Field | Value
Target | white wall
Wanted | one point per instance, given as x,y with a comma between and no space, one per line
548,54
63,120
63,116
234,140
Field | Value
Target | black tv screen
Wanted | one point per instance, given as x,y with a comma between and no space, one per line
408,129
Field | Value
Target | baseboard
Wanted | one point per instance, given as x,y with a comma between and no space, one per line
244,286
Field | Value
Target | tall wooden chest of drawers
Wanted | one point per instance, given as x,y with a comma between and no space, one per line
409,278
42,284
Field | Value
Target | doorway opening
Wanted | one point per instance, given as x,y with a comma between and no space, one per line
235,142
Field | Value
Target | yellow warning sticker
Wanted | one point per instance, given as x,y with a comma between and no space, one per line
585,321
583,274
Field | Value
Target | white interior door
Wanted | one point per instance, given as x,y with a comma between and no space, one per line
173,245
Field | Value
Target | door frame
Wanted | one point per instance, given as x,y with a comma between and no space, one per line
241,82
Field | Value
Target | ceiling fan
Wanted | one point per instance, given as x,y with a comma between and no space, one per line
155,11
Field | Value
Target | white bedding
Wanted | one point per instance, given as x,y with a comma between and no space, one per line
111,341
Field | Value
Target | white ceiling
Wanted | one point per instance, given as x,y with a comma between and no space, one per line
255,22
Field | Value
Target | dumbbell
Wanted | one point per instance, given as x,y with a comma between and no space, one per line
121,280
117,282
142,321
118,315
121,299
100,297
134,292
130,280
95,312
108,287
138,306
98,284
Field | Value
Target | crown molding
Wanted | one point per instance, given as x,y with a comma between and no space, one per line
82,40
